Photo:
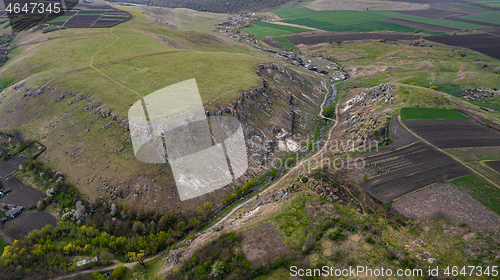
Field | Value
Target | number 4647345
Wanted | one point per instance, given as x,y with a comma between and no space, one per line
32,8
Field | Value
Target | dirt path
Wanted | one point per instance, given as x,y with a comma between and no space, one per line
210,232
295,25
106,268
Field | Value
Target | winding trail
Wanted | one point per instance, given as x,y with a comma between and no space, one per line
211,231
296,168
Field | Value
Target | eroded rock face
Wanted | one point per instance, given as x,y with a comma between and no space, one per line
270,112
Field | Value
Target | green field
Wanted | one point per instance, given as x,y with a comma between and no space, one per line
362,21
430,114
493,3
439,22
481,190
331,17
263,29
361,27
490,17
57,19
285,43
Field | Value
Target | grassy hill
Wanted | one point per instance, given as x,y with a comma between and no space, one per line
111,69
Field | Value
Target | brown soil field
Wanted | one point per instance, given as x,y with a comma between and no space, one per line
437,11
446,134
362,5
29,221
56,23
447,201
495,165
496,32
6,168
425,1
270,42
106,23
480,120
314,39
475,22
421,25
485,43
18,159
409,169
81,21
263,244
21,194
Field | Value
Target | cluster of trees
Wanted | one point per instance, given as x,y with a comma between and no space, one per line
53,248
221,259
101,229
329,112
239,192
214,6
224,258
65,194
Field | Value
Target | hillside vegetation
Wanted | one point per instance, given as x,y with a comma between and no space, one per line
214,6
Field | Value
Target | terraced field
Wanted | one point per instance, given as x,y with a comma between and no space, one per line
454,133
80,16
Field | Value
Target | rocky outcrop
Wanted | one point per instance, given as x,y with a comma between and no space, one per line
268,113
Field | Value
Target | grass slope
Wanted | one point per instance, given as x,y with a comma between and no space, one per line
481,190
422,66
430,113
135,56
263,29
116,66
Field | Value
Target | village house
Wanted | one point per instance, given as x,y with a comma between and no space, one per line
14,212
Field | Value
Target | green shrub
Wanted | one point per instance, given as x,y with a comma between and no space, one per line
407,263
370,240
329,112
337,235
232,237
118,271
